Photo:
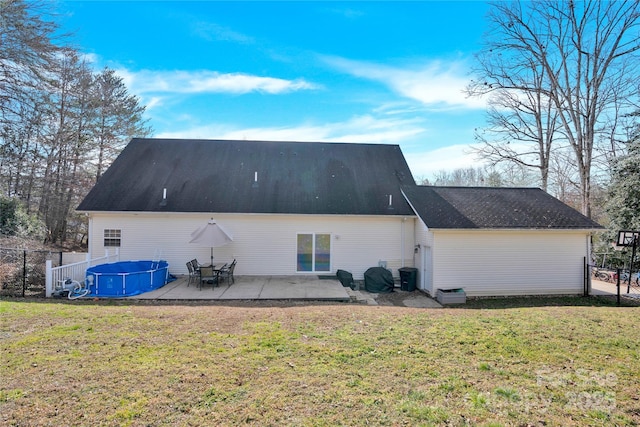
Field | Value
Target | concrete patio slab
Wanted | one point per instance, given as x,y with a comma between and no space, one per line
253,288
611,289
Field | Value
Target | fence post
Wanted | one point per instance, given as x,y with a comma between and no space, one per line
48,279
587,279
618,286
88,261
24,271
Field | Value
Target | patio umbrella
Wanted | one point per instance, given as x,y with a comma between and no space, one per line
211,235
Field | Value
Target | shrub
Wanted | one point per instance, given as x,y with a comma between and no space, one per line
16,221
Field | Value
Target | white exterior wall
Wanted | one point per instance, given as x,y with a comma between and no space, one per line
494,263
262,244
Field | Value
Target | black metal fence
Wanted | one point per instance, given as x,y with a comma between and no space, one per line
22,271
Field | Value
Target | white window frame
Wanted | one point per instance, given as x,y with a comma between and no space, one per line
313,254
112,237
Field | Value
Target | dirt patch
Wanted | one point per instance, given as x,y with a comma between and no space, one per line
400,298
394,298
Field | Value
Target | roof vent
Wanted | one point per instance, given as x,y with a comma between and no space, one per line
255,180
390,207
163,203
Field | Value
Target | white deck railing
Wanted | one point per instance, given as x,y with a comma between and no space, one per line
75,271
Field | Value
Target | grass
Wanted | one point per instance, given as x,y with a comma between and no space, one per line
116,364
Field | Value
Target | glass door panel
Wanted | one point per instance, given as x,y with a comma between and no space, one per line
323,252
305,252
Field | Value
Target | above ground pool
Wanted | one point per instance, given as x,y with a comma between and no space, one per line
126,278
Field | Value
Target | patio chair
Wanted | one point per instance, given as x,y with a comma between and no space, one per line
226,273
219,269
208,274
193,273
196,265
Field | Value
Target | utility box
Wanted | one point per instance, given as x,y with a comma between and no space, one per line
451,296
408,278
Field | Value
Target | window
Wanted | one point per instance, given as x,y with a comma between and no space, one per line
314,252
112,238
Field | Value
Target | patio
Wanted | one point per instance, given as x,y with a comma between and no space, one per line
599,287
254,288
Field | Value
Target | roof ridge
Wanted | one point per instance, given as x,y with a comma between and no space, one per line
481,187
156,139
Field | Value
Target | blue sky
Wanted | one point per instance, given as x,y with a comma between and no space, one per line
375,72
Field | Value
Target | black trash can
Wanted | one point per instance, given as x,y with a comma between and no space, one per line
408,278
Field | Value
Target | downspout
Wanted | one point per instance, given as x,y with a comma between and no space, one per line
89,236
587,277
404,219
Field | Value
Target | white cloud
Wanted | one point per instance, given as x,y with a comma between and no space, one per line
213,32
194,82
90,58
360,129
152,102
435,84
348,13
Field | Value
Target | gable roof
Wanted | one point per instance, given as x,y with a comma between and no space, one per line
493,208
220,176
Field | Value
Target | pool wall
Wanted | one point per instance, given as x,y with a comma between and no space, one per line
127,278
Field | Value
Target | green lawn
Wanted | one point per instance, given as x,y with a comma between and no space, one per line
108,363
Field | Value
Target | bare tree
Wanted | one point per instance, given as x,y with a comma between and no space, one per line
492,176
576,60
522,122
65,139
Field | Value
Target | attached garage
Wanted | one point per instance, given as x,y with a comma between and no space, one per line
498,241
497,262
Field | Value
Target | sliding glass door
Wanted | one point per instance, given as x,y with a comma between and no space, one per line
314,252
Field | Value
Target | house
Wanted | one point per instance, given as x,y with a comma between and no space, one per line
330,206
313,208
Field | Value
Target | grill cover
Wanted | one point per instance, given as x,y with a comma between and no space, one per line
378,280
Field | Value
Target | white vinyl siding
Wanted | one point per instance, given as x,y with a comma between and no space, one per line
491,263
262,244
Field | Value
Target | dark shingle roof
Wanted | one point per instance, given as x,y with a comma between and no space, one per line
494,208
219,176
